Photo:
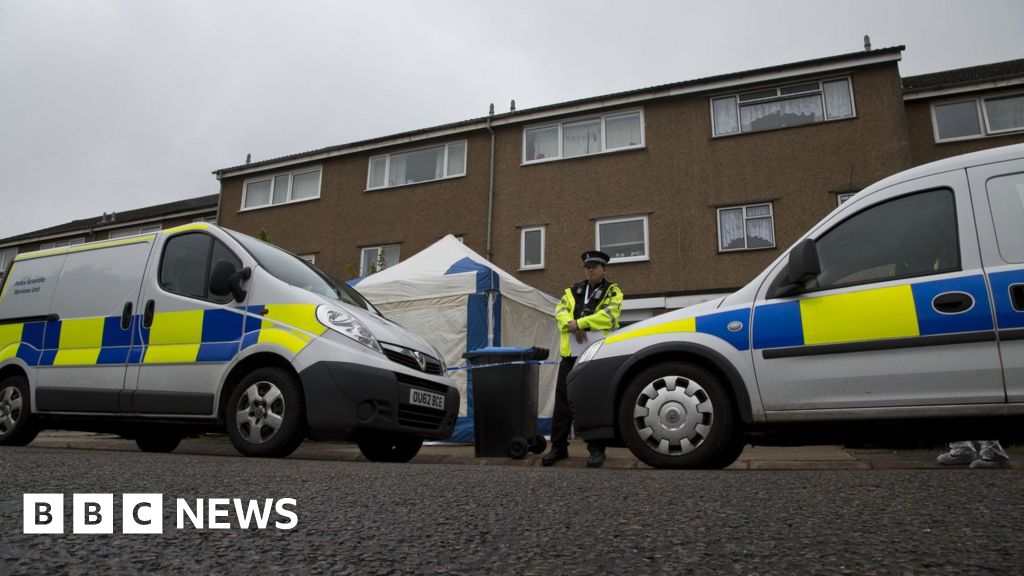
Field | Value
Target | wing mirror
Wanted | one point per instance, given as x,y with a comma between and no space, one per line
226,279
803,267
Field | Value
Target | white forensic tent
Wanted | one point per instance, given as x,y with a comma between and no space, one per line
458,301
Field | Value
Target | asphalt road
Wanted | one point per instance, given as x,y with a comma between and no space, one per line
366,518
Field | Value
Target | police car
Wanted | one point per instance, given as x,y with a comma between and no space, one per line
201,328
901,312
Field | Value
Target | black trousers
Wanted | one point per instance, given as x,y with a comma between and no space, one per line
561,416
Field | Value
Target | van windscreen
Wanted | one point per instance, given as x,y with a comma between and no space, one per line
289,268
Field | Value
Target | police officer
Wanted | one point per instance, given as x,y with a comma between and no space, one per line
592,305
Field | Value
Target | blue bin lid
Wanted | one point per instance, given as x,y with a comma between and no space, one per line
531,353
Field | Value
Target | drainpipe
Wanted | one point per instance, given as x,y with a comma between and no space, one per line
490,190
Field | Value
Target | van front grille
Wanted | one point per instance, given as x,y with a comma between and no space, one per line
420,417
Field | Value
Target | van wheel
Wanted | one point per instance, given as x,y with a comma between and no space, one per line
678,415
266,414
17,427
386,447
161,443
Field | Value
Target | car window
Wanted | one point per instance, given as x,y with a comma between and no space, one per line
1006,198
188,260
910,236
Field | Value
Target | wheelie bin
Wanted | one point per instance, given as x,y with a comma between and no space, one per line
505,400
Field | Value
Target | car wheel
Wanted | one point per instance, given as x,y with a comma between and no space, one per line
17,427
385,447
679,415
266,414
161,443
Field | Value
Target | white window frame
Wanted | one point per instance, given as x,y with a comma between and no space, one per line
581,119
983,119
311,258
128,232
362,252
647,238
62,243
841,198
272,178
522,247
718,225
444,175
778,98
208,219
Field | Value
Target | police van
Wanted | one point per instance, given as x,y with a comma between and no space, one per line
900,313
201,328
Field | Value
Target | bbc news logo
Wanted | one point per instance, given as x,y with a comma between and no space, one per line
144,514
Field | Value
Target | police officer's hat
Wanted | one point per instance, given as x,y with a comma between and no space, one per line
594,257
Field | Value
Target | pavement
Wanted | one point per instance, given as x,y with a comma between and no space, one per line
752,458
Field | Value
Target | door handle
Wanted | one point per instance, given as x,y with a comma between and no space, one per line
147,316
1017,297
953,302
126,316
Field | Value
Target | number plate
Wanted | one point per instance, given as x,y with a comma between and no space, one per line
426,399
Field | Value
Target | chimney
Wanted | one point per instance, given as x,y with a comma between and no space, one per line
867,43
512,108
248,158
491,112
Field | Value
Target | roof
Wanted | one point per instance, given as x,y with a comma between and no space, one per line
964,76
115,219
711,82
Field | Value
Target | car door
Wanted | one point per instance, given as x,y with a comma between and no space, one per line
899,315
188,334
998,194
87,343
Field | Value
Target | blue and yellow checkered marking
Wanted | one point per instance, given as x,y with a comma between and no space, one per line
903,311
211,335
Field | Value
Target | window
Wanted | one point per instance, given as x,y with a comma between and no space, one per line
126,232
422,165
1006,200
867,247
978,117
6,257
624,239
281,189
311,258
531,248
188,260
750,227
377,258
206,219
584,136
62,243
782,107
842,197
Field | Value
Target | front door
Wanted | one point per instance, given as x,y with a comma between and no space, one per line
189,335
900,315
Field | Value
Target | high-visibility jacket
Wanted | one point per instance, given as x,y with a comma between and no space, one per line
603,318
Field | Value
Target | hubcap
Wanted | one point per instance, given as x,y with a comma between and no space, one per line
260,412
673,415
10,408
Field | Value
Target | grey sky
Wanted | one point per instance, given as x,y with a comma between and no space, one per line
111,105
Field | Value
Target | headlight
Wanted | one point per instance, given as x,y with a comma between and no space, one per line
346,324
590,352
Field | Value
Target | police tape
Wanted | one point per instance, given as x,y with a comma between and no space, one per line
468,367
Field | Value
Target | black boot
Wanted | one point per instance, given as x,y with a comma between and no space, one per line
555,455
596,458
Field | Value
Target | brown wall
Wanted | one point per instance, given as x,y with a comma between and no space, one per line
347,217
922,136
678,179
